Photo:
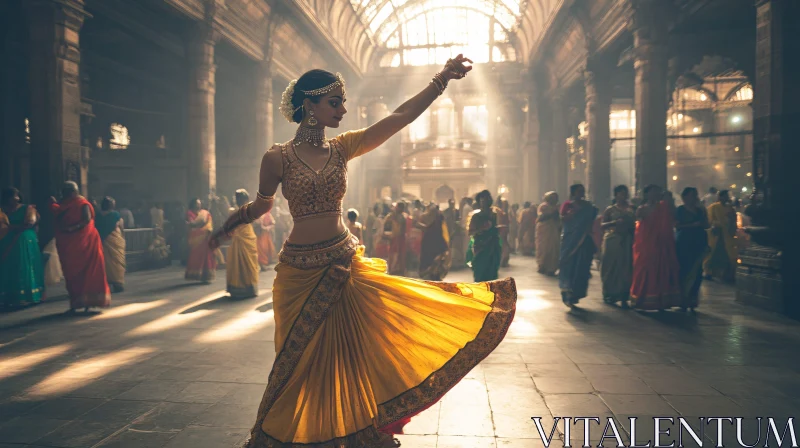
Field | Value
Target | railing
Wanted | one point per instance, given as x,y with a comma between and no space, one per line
137,243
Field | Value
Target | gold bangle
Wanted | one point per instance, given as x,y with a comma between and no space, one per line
264,197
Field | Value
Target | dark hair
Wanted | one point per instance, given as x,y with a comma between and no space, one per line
311,80
484,194
647,188
107,203
8,193
712,190
527,204
687,191
724,193
620,188
242,197
192,202
574,188
352,215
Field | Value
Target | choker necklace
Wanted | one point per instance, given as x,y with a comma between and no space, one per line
315,137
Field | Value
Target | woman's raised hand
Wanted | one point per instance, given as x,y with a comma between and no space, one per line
455,68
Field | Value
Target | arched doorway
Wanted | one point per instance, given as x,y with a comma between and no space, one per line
443,194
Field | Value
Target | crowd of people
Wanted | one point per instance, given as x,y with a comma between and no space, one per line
652,254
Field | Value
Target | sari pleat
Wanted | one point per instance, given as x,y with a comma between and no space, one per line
360,352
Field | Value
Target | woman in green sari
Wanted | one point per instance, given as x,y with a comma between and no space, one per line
21,269
616,269
484,252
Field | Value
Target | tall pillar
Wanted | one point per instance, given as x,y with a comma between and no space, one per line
264,135
533,166
559,162
765,273
55,99
650,91
598,145
202,180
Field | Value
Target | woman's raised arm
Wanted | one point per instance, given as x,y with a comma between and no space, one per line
381,131
269,178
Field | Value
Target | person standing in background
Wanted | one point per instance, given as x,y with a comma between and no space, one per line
80,250
110,227
21,268
354,226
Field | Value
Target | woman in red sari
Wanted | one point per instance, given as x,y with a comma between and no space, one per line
656,282
202,265
80,250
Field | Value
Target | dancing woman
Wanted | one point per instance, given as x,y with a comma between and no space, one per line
358,351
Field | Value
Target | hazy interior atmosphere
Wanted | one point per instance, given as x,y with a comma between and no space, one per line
633,155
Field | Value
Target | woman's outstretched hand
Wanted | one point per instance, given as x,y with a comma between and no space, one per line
455,68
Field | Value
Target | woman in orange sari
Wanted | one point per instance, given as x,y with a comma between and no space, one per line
202,264
80,250
656,281
266,246
358,352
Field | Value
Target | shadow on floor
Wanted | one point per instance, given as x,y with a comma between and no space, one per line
52,318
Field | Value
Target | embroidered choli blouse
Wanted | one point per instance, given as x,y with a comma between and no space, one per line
312,193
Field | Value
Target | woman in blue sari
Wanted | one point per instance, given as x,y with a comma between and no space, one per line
577,246
484,251
691,222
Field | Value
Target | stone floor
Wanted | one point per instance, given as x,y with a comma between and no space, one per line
180,365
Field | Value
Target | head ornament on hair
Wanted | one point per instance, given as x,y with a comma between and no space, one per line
287,109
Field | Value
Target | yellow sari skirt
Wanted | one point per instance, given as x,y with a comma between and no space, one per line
242,268
114,254
359,352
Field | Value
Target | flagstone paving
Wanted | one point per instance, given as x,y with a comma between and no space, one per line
180,365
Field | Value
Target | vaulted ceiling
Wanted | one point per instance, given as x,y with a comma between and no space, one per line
420,32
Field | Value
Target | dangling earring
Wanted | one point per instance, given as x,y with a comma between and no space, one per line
312,121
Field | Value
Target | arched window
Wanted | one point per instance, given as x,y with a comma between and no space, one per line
119,137
428,32
743,93
698,95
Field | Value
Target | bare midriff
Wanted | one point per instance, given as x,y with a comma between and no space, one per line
317,230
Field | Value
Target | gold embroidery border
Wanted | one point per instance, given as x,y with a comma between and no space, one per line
414,400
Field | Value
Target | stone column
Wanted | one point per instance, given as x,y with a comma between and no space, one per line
559,162
55,99
764,276
264,135
533,166
545,143
202,180
650,52
598,145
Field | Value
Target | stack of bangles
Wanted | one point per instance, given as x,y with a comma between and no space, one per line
439,82
243,215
